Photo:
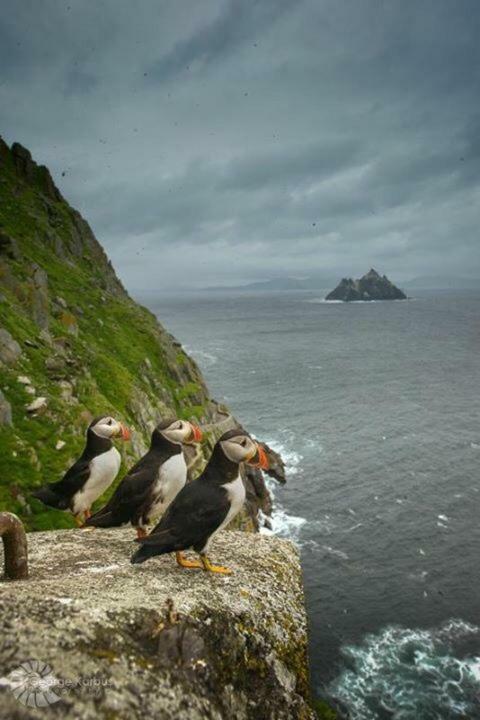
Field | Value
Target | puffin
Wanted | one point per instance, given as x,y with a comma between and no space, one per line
151,485
93,472
205,505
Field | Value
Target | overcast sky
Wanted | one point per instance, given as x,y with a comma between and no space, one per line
226,141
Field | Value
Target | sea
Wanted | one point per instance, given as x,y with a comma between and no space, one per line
375,407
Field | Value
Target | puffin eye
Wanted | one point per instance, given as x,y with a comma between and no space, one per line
244,443
109,422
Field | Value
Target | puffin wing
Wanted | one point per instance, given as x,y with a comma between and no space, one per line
131,494
196,512
73,481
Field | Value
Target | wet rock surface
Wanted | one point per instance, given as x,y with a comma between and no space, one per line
156,640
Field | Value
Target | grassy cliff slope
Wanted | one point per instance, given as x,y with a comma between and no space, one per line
70,333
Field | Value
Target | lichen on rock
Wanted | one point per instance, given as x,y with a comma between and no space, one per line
162,641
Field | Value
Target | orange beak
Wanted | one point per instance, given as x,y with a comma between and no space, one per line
197,434
260,459
125,432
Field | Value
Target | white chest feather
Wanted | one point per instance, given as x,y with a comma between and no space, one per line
236,495
172,476
103,471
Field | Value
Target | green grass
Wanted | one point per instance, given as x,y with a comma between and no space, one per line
105,360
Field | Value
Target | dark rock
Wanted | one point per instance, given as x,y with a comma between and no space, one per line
371,286
10,350
46,183
39,296
5,410
277,466
4,150
23,162
9,247
31,172
55,366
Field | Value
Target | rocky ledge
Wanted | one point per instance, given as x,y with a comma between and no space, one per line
371,286
112,640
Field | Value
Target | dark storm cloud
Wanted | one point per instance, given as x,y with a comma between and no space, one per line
234,24
222,141
289,166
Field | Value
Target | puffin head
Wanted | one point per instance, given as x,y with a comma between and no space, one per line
108,428
178,432
238,446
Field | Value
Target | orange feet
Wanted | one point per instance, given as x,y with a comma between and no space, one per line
182,560
207,565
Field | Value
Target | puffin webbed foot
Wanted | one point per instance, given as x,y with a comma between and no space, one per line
184,562
207,565
141,533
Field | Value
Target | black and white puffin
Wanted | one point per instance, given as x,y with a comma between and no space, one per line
151,485
205,505
93,472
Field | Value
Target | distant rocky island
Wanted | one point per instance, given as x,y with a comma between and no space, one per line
371,286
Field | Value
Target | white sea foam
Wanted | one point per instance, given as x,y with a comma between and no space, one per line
204,359
422,575
335,552
411,674
354,527
284,524
287,525
291,458
316,301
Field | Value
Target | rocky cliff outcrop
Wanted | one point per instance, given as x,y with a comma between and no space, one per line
73,344
371,286
90,636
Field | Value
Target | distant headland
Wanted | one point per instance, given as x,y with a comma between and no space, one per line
371,286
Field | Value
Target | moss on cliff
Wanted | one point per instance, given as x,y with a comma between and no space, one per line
86,345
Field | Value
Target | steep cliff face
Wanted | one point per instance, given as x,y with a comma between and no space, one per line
113,640
73,344
371,286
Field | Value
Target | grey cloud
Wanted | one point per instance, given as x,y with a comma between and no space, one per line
291,165
326,134
236,21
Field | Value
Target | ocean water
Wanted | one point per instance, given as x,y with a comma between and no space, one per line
375,408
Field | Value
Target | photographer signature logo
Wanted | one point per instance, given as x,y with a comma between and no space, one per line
32,684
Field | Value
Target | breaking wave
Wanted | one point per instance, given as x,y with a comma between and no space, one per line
408,674
282,523
204,359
